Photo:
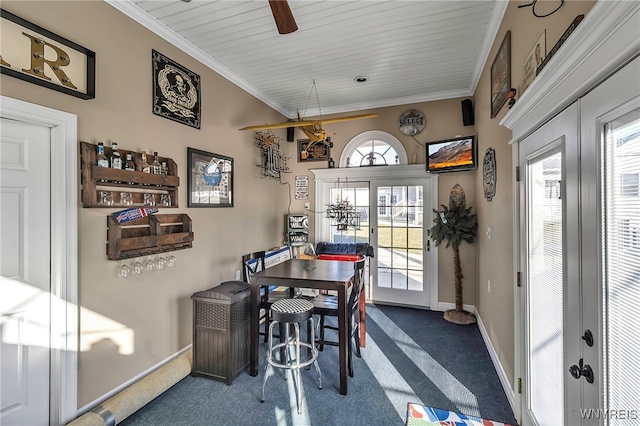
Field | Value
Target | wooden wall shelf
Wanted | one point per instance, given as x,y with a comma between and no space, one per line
96,179
158,233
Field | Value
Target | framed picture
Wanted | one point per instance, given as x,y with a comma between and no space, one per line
24,47
318,151
501,75
176,91
533,61
210,179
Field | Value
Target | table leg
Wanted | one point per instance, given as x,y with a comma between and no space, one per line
343,338
254,332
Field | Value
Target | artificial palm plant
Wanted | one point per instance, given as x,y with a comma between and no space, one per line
455,224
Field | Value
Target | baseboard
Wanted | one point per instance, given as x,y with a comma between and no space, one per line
128,383
445,306
508,390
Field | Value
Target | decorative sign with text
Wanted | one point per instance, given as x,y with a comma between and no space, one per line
302,187
176,91
36,55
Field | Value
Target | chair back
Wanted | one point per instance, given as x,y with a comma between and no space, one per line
358,283
250,268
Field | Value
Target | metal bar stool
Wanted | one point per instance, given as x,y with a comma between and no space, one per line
292,312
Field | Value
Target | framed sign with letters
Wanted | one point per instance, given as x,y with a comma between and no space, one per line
176,91
34,54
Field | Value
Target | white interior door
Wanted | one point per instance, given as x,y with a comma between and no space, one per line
580,229
398,209
24,273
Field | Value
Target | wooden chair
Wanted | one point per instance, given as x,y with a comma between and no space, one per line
267,296
326,305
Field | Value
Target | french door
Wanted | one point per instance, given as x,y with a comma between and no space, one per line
402,266
580,245
393,203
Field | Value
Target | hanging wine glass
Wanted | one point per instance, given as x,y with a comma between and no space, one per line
149,265
171,262
124,271
161,263
137,268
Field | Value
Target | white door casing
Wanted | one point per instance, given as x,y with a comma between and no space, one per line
63,249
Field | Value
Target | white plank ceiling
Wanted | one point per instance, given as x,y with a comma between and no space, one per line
410,51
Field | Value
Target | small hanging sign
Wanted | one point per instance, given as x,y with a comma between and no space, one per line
302,187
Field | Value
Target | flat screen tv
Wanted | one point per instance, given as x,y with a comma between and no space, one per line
452,155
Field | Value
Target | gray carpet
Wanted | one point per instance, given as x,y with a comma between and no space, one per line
411,356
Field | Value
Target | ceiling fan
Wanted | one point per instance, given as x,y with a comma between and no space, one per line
281,14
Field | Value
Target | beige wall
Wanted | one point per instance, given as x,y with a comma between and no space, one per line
495,255
443,121
157,307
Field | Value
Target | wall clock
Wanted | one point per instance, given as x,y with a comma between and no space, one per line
489,173
411,122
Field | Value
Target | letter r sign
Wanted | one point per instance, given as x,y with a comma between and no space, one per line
36,55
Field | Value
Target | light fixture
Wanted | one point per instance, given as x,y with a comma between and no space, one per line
343,213
361,79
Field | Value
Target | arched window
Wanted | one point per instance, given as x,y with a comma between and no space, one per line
373,148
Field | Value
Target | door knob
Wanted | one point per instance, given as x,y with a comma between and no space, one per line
582,370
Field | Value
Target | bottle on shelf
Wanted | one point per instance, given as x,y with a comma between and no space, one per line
165,169
115,159
156,168
129,163
332,163
146,167
102,159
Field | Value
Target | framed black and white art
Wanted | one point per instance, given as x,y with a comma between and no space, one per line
176,91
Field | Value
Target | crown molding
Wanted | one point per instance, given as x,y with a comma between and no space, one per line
140,16
492,31
604,41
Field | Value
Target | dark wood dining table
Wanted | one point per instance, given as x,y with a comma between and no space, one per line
315,274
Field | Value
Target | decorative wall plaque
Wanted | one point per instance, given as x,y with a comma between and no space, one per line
176,91
36,55
411,122
489,173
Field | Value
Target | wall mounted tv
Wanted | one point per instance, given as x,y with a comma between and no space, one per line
452,155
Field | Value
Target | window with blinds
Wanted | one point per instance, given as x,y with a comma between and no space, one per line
621,262
545,286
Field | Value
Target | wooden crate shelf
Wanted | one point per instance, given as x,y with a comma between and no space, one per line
97,179
158,233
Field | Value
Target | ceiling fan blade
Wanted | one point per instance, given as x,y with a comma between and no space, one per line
284,18
280,125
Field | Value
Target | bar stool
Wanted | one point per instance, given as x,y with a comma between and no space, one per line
292,312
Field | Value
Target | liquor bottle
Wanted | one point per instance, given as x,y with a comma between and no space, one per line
156,168
332,163
129,164
146,168
165,169
103,161
115,159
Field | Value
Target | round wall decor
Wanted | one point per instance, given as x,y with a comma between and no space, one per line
411,122
489,173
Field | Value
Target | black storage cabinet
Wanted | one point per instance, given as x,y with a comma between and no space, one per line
221,330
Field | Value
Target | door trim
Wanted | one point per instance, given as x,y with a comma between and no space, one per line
64,250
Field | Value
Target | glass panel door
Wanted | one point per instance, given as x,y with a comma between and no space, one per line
545,287
621,268
400,244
